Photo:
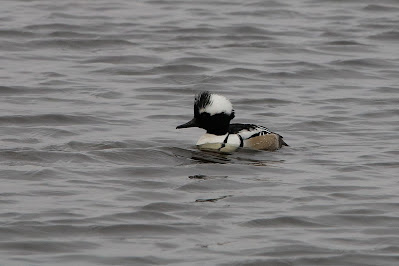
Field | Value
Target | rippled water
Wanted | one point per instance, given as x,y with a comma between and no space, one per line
93,171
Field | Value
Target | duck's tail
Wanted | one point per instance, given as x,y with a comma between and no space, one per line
282,142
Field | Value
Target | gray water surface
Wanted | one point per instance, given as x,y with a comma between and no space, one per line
93,171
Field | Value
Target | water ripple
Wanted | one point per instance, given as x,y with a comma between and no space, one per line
93,171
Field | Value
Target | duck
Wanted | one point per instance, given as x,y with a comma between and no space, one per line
214,112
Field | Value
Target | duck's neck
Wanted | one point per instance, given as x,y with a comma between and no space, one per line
218,131
216,124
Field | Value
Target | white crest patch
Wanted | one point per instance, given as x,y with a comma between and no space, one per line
218,104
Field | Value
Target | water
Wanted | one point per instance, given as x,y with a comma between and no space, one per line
93,171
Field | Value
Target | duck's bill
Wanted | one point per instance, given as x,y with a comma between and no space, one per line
191,123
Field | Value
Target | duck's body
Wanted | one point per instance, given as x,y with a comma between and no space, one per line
213,113
243,135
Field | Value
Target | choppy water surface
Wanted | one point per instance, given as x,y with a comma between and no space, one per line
93,171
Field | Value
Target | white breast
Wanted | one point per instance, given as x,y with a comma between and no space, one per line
233,139
217,143
210,138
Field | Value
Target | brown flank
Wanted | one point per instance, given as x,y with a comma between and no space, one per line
268,142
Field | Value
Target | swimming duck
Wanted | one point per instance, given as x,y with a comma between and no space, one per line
213,112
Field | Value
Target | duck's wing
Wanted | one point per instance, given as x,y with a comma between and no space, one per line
248,131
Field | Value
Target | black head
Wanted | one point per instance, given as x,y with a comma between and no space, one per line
212,112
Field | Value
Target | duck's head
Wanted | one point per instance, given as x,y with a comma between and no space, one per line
212,112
